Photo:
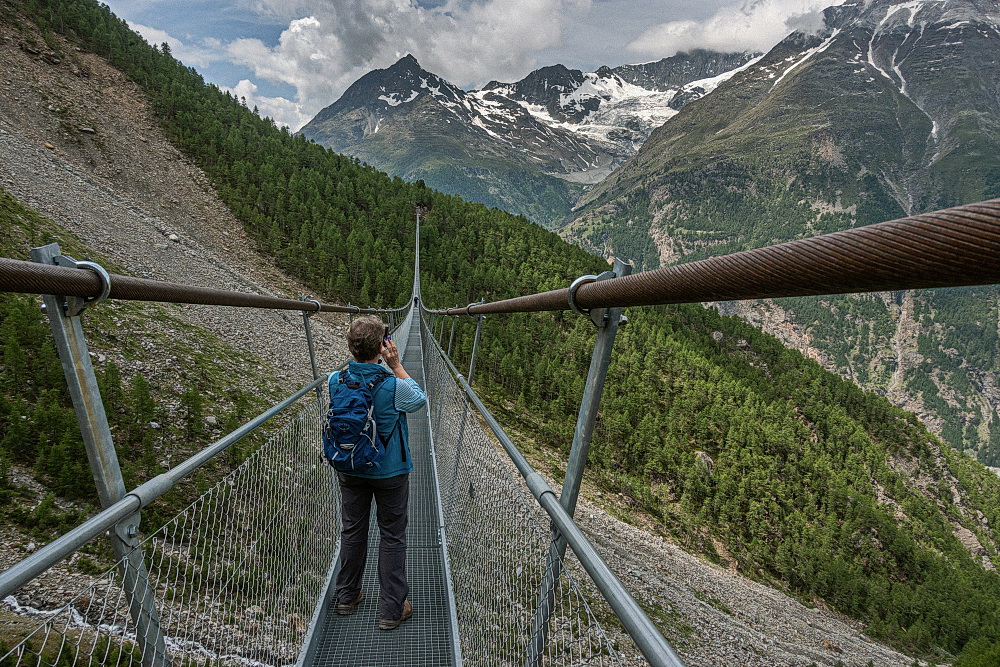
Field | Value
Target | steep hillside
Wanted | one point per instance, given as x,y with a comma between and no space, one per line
80,144
889,111
817,488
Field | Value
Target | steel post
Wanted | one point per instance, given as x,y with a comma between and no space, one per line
475,347
451,338
312,350
71,344
607,321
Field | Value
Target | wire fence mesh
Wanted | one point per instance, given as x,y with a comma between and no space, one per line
235,576
498,544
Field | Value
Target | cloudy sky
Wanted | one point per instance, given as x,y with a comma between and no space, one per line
291,58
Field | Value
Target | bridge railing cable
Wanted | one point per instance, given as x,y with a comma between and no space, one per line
232,579
35,278
499,544
953,247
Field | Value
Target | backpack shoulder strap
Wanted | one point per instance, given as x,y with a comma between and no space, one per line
377,382
399,415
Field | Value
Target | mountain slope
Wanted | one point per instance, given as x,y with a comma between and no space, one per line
419,127
806,465
890,111
517,146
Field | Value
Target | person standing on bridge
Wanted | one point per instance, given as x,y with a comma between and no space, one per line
368,339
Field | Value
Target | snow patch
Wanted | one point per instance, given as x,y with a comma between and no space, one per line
806,55
478,122
394,100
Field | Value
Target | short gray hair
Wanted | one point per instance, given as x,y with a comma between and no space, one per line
364,337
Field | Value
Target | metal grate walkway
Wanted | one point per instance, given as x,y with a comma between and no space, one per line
428,638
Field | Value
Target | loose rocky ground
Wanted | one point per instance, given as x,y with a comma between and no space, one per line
78,144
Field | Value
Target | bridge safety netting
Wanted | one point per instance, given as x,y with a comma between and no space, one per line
498,545
233,579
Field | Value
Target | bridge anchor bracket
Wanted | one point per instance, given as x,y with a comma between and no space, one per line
599,316
75,305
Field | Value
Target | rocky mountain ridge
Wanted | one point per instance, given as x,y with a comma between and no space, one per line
556,127
888,110
622,105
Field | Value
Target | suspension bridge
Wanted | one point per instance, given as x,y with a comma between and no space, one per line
500,573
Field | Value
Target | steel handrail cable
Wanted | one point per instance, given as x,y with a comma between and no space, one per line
35,278
654,647
953,247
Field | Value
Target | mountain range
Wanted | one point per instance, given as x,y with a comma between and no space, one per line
889,110
524,147
883,110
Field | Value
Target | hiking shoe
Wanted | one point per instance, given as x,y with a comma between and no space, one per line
348,608
393,623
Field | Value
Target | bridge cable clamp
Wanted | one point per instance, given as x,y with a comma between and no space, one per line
474,303
310,313
571,294
76,305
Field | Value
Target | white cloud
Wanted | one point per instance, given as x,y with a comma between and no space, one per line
468,42
282,111
328,44
748,25
189,54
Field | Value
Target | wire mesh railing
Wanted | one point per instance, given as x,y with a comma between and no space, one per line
235,576
499,542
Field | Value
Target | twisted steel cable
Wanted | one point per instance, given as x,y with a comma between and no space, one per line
949,248
35,278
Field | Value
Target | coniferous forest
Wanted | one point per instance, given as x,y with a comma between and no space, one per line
816,487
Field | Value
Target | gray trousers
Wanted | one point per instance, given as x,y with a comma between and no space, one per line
391,497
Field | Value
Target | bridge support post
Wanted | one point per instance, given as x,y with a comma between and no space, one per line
475,348
306,314
607,320
451,338
65,319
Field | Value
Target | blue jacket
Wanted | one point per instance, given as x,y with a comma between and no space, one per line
393,398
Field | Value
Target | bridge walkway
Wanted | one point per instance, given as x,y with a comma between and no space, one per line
427,638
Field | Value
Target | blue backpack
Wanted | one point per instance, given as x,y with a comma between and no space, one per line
351,442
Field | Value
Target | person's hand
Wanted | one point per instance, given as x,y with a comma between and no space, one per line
390,354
